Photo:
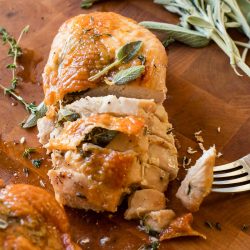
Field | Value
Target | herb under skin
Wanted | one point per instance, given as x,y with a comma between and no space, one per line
100,136
15,51
67,115
210,20
125,54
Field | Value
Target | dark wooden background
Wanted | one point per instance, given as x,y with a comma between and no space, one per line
203,94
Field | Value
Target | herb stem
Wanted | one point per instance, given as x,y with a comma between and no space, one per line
105,70
246,45
28,106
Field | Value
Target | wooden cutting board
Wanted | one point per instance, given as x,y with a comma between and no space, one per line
203,94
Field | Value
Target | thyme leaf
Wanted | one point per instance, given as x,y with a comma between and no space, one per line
37,162
27,152
30,107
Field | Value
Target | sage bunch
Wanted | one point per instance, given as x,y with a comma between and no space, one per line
204,20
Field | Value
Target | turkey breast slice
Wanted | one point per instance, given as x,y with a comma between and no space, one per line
198,181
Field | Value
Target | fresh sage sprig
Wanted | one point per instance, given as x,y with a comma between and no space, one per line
209,20
123,55
15,51
85,4
128,75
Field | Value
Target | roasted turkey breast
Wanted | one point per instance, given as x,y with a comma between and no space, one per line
87,43
108,150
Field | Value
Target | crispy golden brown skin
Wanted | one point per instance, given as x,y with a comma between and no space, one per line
85,44
179,227
31,219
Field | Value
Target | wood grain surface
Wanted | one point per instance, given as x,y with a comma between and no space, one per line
203,93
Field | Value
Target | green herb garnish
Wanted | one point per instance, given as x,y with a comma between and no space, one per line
67,115
128,75
85,4
100,136
31,107
168,41
31,121
36,162
152,246
28,151
124,55
15,51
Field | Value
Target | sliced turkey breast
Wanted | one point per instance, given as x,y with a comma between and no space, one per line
98,179
198,181
87,43
143,202
158,220
118,125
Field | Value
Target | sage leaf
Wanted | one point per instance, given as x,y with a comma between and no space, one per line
100,136
85,4
124,54
128,51
178,33
67,115
39,112
244,6
128,75
168,41
197,21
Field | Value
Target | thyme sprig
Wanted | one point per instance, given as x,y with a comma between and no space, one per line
30,107
15,51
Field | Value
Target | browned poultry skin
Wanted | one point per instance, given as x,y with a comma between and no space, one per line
85,44
179,227
105,177
73,133
34,220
